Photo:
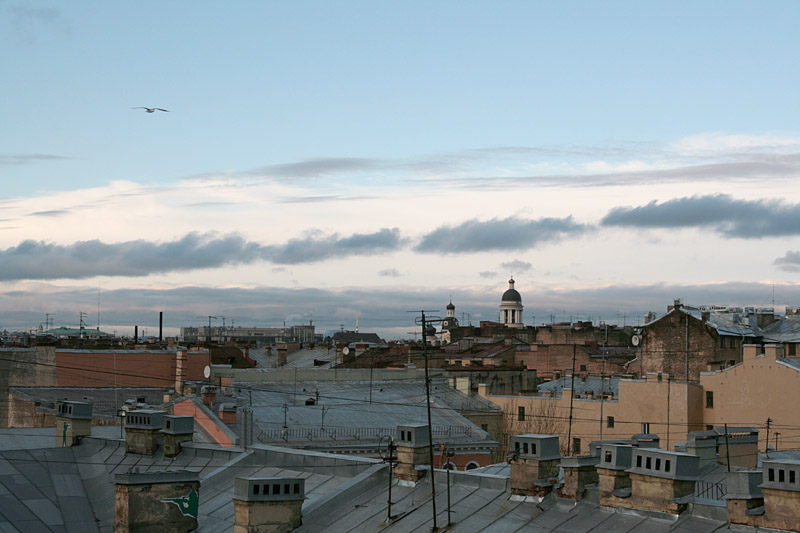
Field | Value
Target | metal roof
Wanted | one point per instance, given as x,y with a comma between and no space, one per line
582,385
341,412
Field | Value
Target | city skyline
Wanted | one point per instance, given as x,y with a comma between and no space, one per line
326,161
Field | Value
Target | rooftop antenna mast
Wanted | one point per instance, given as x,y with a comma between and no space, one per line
423,322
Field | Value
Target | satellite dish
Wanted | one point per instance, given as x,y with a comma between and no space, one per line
635,340
207,372
345,350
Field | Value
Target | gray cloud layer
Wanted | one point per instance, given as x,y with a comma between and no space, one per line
789,262
40,260
377,308
511,233
749,219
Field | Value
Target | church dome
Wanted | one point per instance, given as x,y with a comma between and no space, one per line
451,306
511,295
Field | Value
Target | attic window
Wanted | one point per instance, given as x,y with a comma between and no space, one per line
256,488
525,448
781,476
638,461
533,448
658,463
649,464
297,488
666,465
792,477
276,489
771,474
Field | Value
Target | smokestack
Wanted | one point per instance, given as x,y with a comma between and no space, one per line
135,334
160,325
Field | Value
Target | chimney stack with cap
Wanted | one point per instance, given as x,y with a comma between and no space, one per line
534,464
413,451
73,420
272,504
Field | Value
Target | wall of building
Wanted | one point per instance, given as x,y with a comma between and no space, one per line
760,387
546,360
671,409
664,347
24,367
130,368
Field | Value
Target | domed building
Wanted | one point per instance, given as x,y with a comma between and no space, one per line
511,307
449,322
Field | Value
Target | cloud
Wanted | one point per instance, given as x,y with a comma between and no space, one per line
51,213
748,219
318,167
488,274
26,159
511,233
517,266
317,247
389,273
789,262
85,259
381,310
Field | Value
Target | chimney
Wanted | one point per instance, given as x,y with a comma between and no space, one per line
209,394
773,351
177,430
741,446
245,422
661,478
271,504
579,471
779,484
142,431
180,364
534,465
703,444
73,420
744,499
156,501
135,334
646,440
413,451
160,326
613,479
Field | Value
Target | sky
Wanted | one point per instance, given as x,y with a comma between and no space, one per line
354,162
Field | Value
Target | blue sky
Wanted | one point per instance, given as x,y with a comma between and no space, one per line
322,159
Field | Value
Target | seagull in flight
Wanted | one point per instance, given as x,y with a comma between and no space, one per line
151,109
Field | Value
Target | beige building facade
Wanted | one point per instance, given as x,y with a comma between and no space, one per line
765,385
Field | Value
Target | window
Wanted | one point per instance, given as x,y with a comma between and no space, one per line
525,448
709,427
791,476
297,488
781,476
485,427
521,413
576,446
649,464
658,463
533,448
771,474
709,399
792,350
638,461
722,342
610,422
666,465
256,488
276,489
583,368
645,427
608,457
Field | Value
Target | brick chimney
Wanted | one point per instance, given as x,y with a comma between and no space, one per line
534,464
142,431
209,394
613,479
156,501
780,487
177,430
73,420
744,499
413,451
659,477
579,471
272,504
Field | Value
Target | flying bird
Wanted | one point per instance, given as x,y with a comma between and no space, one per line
151,109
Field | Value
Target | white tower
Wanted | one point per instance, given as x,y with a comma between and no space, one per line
511,307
